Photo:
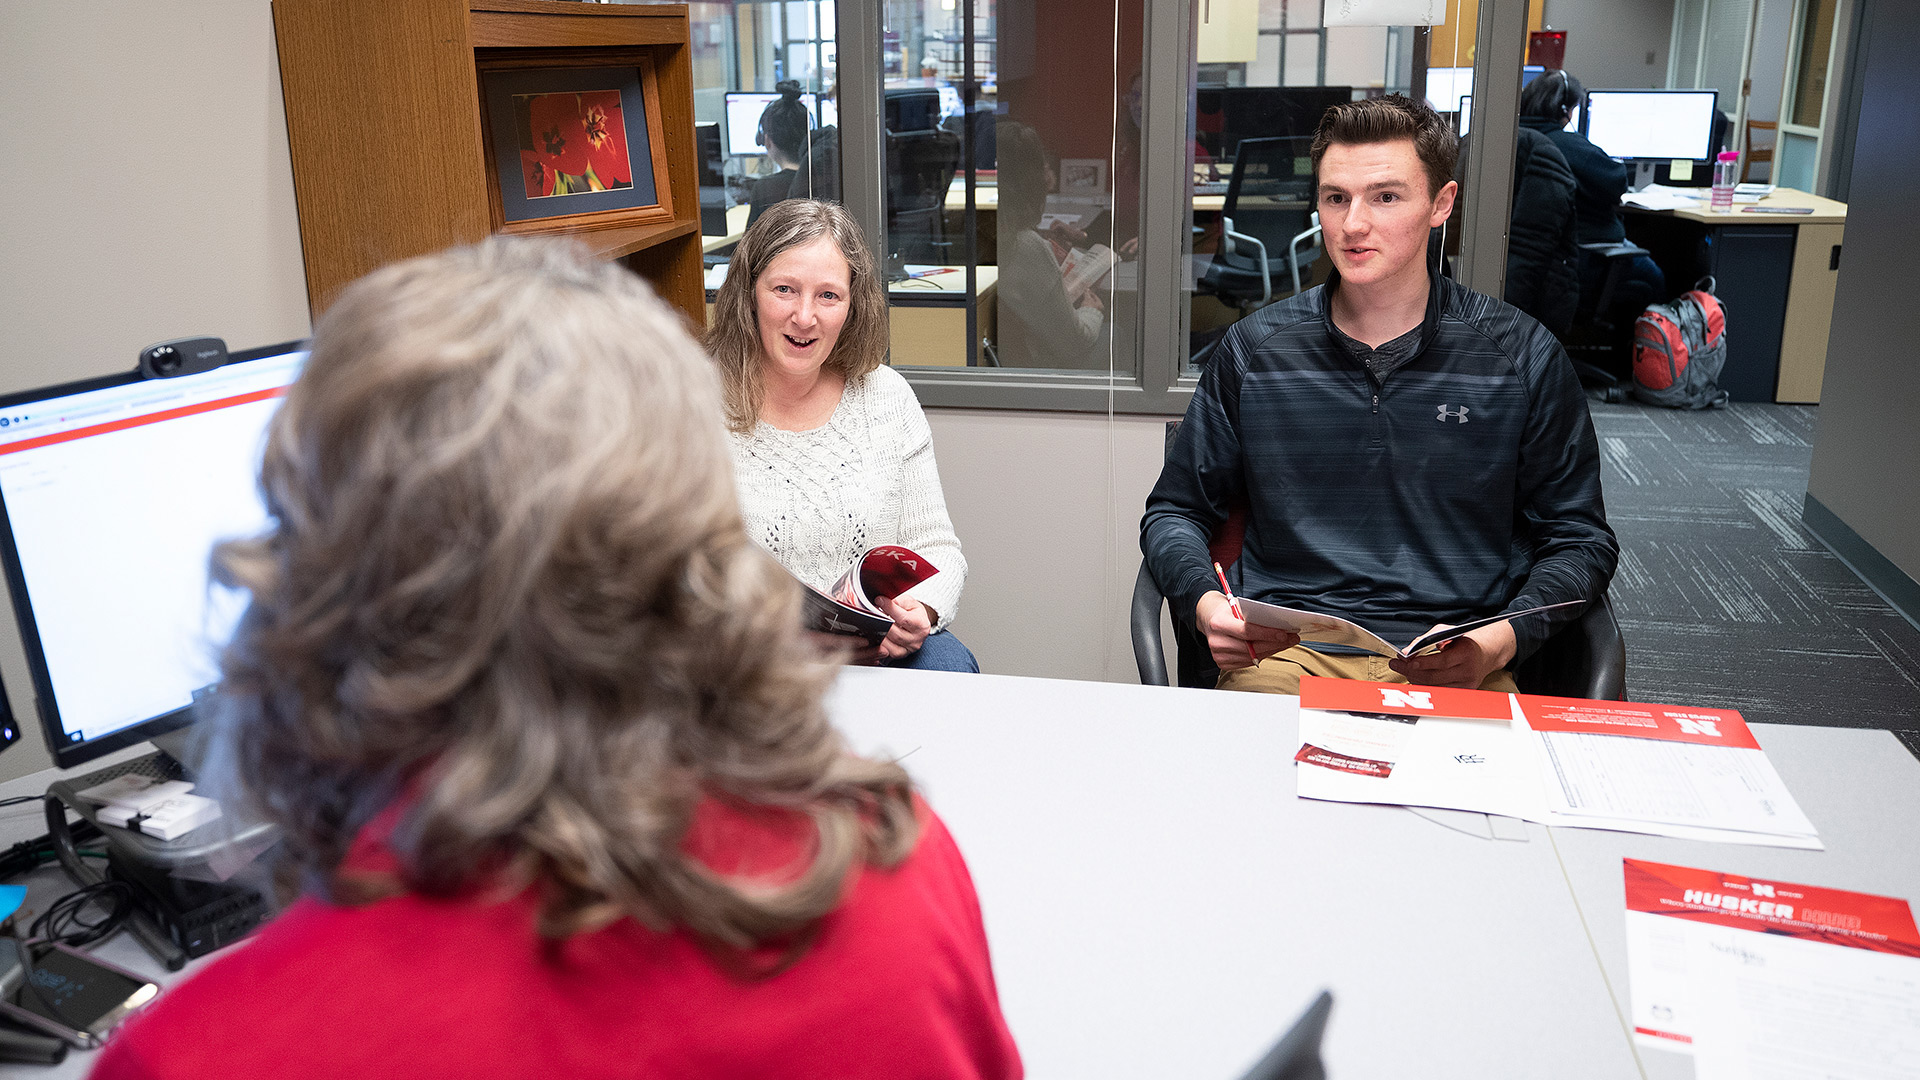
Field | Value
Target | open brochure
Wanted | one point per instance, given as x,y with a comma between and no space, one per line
1748,975
1334,630
1666,770
848,607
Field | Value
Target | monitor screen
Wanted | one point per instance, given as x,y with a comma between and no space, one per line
1466,114
1652,124
1446,86
743,119
112,495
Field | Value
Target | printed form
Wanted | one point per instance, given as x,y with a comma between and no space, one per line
1775,980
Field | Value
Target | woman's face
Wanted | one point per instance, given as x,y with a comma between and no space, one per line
802,300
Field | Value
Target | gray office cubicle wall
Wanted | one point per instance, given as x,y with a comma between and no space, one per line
1863,495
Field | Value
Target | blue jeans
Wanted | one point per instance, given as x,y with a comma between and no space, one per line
939,652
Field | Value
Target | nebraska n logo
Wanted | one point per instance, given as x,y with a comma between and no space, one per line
1452,412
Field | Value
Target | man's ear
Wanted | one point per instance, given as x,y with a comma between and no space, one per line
1443,204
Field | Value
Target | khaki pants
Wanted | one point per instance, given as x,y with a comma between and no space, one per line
1280,673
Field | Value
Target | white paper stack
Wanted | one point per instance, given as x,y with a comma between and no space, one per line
163,809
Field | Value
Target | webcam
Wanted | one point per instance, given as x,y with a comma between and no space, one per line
186,356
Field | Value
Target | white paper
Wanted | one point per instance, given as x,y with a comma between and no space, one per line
1479,765
1676,783
1386,13
1767,1007
1657,970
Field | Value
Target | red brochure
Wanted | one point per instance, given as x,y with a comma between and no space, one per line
1669,723
1810,913
1400,699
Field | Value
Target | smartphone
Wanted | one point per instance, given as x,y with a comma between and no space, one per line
63,991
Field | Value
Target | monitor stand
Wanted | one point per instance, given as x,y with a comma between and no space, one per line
1640,174
210,844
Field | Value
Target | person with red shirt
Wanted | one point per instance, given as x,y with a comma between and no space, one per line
541,732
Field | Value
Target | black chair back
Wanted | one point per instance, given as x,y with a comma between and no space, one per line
1270,194
920,169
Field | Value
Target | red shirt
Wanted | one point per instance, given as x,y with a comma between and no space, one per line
897,984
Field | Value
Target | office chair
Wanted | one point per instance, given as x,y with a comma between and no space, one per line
1601,341
1586,658
920,169
1268,209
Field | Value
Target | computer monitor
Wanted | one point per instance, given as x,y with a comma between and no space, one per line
1466,114
743,119
1653,125
113,492
1446,86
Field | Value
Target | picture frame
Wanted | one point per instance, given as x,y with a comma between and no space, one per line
1083,176
574,146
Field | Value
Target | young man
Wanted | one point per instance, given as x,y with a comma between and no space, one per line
1410,452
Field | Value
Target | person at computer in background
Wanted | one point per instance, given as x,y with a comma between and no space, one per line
541,734
1409,452
1546,105
783,131
831,452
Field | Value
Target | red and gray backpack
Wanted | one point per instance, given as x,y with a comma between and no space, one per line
1679,349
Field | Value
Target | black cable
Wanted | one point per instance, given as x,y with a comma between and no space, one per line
64,921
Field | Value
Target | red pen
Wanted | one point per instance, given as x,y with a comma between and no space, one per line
1234,604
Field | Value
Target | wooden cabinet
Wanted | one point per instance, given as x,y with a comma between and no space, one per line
386,122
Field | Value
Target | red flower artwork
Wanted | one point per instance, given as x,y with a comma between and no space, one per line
573,143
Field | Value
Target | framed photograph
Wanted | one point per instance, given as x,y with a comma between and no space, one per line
575,147
1083,176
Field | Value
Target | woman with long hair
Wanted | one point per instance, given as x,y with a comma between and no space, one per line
830,449
540,733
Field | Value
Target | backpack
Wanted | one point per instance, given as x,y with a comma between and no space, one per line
1679,349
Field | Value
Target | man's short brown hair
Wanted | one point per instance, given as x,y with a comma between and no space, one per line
1390,119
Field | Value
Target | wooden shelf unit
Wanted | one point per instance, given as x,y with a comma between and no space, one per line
385,127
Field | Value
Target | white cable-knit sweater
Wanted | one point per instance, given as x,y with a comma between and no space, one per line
817,499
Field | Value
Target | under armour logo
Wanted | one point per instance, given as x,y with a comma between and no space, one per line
1452,412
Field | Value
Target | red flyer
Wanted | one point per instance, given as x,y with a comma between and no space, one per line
1835,916
1669,723
1743,973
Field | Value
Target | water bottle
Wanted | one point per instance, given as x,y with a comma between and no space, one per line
1724,168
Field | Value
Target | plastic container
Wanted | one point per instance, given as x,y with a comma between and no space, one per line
1724,169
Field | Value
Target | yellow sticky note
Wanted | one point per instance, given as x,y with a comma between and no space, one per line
1682,169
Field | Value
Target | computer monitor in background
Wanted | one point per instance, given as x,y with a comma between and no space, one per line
1446,86
1531,72
743,119
1226,115
1466,114
113,492
1653,125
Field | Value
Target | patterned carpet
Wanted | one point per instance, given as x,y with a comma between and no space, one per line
1723,597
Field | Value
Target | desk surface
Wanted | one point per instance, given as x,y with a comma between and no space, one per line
1159,903
1825,211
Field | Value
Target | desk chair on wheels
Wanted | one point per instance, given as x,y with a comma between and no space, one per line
920,168
1268,210
1586,658
1601,342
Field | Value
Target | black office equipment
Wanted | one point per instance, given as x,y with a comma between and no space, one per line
1227,115
197,916
713,181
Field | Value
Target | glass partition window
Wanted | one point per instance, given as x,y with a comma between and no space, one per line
1012,148
765,114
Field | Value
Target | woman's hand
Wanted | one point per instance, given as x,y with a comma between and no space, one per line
912,622
843,648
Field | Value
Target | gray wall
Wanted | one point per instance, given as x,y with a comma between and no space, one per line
1608,41
1866,461
169,211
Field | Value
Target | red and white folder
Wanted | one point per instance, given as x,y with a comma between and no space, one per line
1668,770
